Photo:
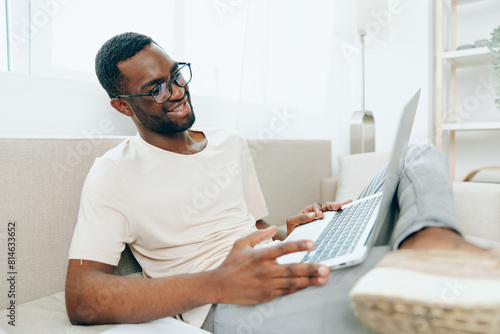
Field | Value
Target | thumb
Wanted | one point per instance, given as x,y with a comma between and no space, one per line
256,237
301,218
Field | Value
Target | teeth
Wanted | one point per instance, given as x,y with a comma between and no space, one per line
179,108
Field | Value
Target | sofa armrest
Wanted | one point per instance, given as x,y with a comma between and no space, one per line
478,211
328,189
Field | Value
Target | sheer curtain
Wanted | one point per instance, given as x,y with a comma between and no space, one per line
268,60
276,52
3,37
74,30
268,69
265,68
256,62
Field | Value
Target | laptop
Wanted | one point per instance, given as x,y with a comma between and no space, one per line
344,238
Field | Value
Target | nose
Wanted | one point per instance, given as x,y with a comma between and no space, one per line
177,92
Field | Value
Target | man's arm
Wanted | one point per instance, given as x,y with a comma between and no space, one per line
95,296
248,276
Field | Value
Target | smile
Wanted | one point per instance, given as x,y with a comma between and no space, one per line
179,108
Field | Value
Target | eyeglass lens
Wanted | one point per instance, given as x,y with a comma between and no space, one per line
182,77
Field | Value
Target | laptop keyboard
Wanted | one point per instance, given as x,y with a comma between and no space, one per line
343,231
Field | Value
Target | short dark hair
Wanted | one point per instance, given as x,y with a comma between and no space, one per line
117,49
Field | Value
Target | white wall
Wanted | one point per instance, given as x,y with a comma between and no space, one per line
396,72
393,74
39,106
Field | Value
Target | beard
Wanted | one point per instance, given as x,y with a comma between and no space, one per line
163,125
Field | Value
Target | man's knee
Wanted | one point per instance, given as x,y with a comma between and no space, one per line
424,150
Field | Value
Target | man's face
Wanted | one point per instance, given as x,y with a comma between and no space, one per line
145,70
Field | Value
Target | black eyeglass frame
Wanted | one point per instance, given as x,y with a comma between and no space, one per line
169,84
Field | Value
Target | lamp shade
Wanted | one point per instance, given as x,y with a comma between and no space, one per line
371,18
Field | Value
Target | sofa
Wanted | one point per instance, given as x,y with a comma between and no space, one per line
41,182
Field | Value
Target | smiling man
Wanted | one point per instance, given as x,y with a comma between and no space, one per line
212,265
171,114
137,193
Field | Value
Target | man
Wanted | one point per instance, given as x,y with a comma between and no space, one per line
209,261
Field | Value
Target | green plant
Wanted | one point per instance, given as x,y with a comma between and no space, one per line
494,46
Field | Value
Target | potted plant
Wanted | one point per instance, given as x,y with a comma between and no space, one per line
494,46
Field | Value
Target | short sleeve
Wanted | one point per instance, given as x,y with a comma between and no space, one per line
253,193
103,228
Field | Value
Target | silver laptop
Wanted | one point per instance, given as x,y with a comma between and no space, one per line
344,238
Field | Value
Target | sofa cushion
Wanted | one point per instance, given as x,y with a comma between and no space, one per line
290,174
329,189
46,315
356,171
42,179
478,211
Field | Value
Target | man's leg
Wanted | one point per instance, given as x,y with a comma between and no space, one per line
327,307
425,197
424,203
437,282
322,309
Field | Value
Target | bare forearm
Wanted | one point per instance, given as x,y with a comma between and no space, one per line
102,298
248,276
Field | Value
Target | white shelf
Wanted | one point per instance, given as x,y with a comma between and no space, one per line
471,126
462,2
469,57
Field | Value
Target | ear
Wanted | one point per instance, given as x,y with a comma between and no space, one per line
122,106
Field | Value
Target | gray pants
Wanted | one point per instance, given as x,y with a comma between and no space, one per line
424,198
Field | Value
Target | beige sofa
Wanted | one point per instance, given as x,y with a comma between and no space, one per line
41,181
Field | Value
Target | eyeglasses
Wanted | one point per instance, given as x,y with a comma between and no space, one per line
162,92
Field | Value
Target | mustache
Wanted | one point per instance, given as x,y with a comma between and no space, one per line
186,96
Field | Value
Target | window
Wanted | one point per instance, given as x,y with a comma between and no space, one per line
240,51
3,37
59,38
248,51
82,27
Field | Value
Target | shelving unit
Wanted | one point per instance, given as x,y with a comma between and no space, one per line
466,1
445,118
468,57
470,126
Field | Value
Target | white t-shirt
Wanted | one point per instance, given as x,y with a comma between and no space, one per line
178,213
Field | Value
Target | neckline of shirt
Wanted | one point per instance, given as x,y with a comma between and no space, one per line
162,151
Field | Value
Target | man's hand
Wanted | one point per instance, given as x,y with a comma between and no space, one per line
251,276
310,213
334,206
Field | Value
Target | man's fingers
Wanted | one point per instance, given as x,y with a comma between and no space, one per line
331,206
283,248
334,206
299,275
302,218
317,209
256,237
300,282
301,270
